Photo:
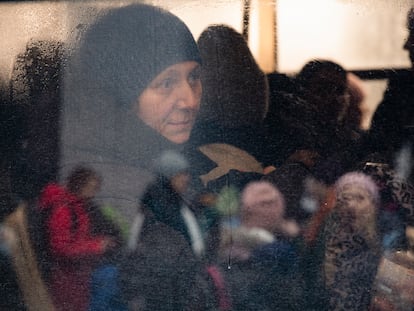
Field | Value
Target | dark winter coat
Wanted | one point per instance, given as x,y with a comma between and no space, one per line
262,271
162,233
166,204
160,273
393,120
290,179
233,105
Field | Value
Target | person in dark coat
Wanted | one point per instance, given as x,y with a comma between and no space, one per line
235,91
166,199
234,104
170,231
392,124
352,243
292,124
324,85
260,258
132,91
166,250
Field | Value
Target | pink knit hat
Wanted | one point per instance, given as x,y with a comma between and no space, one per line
360,179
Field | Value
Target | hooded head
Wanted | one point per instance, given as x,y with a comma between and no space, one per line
128,47
235,90
118,58
324,85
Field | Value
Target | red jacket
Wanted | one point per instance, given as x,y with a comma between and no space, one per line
73,248
68,240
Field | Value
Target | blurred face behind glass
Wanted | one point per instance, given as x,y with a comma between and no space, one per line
357,205
90,189
180,182
357,208
357,197
264,209
171,101
327,91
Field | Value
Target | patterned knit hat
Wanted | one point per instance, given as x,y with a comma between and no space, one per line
128,47
361,180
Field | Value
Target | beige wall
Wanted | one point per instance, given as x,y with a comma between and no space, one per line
357,34
19,22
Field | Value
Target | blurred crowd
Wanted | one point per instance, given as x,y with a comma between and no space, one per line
145,170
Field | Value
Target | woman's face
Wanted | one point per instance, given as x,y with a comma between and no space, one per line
171,101
357,203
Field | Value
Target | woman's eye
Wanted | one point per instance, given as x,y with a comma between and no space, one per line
344,197
360,198
164,86
194,77
166,83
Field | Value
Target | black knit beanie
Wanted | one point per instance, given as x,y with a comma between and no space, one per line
128,47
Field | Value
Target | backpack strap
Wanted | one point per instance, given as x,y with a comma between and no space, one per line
135,231
223,297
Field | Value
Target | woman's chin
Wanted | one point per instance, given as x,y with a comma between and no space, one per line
178,138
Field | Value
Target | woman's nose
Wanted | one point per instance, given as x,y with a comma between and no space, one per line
188,96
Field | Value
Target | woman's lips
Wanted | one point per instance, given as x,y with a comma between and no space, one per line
181,125
178,123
